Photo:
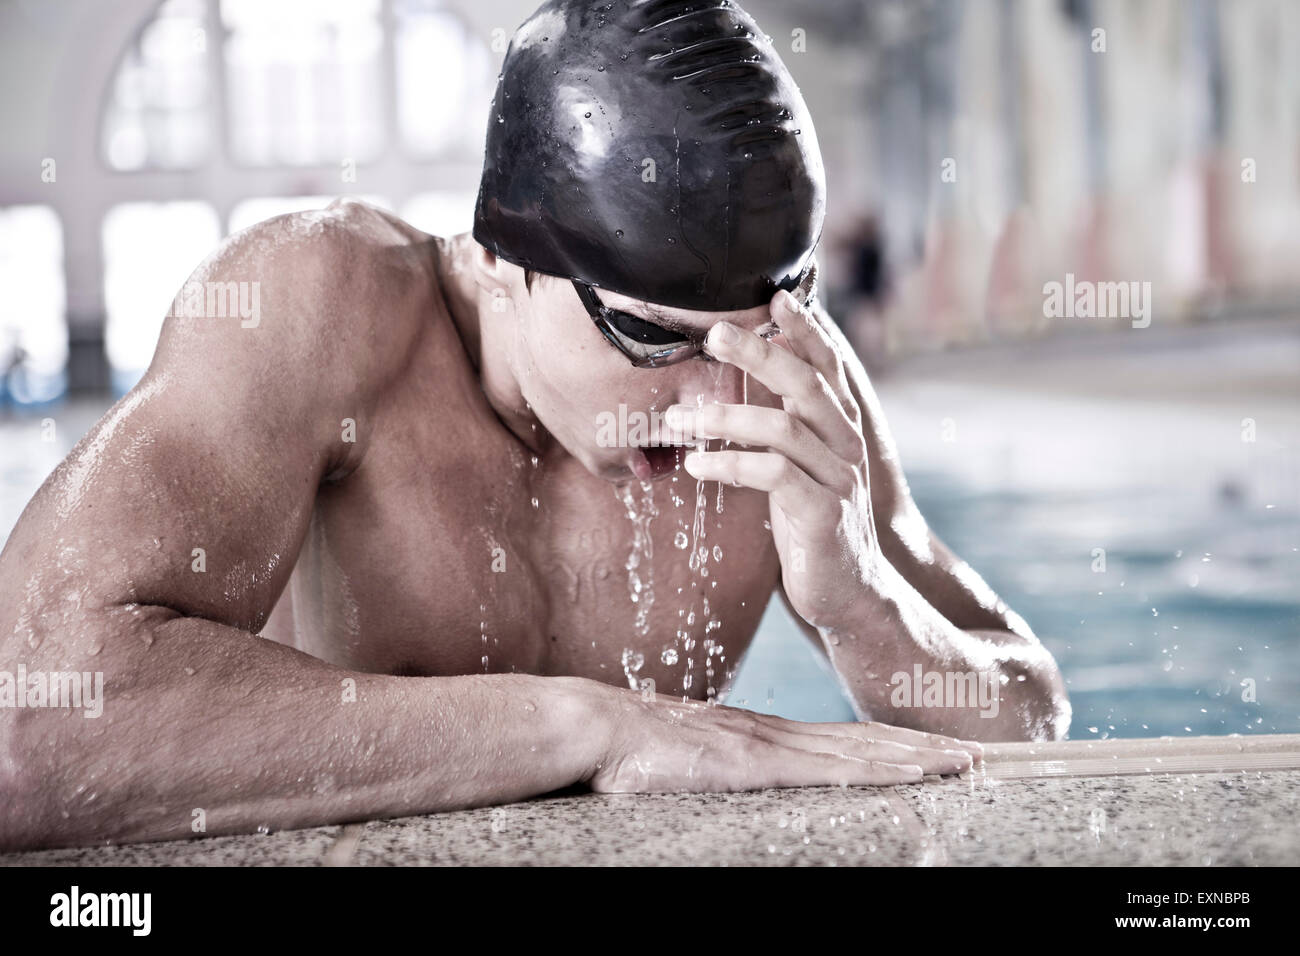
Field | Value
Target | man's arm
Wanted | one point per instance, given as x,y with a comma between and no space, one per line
157,550
935,610
1009,685
857,560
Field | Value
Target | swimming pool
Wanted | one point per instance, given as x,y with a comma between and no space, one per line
1145,651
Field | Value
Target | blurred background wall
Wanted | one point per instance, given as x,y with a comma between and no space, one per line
977,152
974,150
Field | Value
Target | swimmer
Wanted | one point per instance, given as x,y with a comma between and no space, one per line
368,557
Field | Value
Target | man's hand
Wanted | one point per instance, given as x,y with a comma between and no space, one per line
657,743
814,466
859,564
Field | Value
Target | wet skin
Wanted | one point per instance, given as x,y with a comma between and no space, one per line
435,542
371,547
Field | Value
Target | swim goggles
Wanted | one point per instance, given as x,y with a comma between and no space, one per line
648,344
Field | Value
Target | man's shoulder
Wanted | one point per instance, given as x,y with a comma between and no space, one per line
339,295
346,246
348,266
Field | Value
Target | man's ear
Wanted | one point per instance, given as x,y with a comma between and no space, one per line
491,272
500,280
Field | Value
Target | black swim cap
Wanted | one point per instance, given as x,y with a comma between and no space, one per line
655,148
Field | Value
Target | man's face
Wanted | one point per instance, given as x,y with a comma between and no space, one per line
575,380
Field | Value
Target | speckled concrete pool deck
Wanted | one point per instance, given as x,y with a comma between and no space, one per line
1188,802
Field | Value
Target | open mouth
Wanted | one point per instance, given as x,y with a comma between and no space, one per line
656,461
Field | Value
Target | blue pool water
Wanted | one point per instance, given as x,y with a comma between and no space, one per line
1160,643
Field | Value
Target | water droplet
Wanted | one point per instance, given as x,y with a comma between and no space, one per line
633,661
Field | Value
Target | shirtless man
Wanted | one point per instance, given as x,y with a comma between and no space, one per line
368,556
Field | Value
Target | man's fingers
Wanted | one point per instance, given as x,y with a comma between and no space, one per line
802,388
792,489
830,770
929,759
775,765
810,342
873,730
774,428
920,737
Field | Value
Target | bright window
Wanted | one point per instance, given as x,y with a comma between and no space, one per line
150,249
444,80
33,330
441,213
304,81
157,115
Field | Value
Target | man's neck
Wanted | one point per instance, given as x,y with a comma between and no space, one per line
460,291
455,275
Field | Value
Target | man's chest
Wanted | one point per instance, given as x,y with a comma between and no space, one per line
472,569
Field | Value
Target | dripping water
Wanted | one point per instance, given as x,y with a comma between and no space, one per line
641,510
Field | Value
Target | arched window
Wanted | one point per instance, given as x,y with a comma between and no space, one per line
277,105
157,113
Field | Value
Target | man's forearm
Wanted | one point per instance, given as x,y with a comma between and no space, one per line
904,663
205,722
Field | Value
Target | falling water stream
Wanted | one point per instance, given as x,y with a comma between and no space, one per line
641,510
693,619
